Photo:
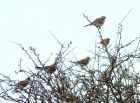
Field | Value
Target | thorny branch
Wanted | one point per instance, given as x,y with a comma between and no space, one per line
109,79
24,51
56,39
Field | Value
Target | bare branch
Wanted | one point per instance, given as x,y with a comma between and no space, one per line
56,39
126,15
86,18
24,51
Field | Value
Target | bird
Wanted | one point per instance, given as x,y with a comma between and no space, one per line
105,41
22,84
49,68
98,22
82,62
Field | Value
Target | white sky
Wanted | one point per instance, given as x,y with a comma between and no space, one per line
28,22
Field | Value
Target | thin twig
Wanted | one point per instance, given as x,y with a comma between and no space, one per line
126,15
69,51
118,39
129,43
56,39
120,31
86,17
20,62
100,35
25,51
37,55
75,57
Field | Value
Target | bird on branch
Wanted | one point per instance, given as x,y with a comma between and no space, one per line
49,68
105,41
98,22
82,62
22,84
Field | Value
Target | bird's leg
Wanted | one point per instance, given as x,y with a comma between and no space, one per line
98,27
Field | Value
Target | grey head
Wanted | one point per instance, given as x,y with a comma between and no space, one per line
103,17
87,58
28,79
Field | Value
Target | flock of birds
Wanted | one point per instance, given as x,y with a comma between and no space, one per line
98,22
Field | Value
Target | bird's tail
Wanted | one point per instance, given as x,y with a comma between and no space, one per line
74,62
39,67
14,87
86,25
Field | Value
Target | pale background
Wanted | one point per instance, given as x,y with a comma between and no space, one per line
28,22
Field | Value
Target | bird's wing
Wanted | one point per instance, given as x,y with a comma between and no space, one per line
23,83
48,66
98,21
102,41
82,61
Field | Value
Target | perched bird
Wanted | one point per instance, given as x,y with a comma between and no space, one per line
22,84
105,41
98,22
50,68
82,62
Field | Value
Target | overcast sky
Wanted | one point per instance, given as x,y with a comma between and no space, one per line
28,22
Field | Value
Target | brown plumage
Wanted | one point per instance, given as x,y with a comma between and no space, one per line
82,62
50,68
105,41
98,22
22,84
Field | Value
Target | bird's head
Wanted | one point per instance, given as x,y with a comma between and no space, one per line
108,39
28,79
87,58
103,17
